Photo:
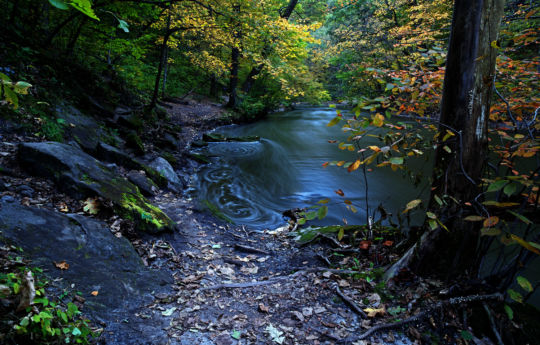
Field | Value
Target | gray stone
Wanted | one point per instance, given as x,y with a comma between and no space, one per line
25,190
98,261
82,128
146,185
161,165
7,198
81,176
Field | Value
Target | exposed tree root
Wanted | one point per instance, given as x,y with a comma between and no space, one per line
349,302
422,315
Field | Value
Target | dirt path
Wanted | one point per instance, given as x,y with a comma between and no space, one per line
237,286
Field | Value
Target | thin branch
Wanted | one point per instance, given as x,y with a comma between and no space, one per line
349,302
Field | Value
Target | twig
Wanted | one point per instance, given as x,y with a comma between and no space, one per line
349,302
425,313
493,326
249,249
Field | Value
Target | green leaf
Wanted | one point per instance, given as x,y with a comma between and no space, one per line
4,78
61,4
76,332
21,87
474,218
490,232
301,221
25,321
516,296
396,160
520,217
332,106
524,283
340,234
236,334
497,185
438,200
122,24
84,6
466,335
433,224
322,212
334,121
431,215
509,311
311,215
510,189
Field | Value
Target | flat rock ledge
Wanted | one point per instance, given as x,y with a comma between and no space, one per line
81,175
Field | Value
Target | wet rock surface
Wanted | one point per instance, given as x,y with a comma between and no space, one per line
95,260
81,175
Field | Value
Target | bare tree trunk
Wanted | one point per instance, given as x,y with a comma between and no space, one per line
165,73
468,84
162,56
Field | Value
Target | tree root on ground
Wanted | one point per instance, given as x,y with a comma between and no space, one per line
422,315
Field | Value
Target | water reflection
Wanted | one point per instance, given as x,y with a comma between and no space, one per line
253,183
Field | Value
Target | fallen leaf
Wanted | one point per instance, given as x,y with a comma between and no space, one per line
63,265
263,308
364,245
168,312
373,312
236,335
91,205
275,334
94,293
388,243
298,315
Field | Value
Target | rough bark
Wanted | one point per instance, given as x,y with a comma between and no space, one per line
465,108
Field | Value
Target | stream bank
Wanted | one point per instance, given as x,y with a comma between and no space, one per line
203,280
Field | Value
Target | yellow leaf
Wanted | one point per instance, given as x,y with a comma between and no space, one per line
412,204
63,265
378,120
525,244
373,312
354,166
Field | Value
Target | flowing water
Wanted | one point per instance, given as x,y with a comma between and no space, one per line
252,183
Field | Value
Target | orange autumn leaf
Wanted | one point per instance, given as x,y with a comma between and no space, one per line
388,243
94,293
364,245
339,192
63,265
491,221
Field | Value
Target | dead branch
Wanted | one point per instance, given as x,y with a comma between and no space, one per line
493,326
349,302
425,313
249,249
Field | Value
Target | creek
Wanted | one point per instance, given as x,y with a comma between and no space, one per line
252,183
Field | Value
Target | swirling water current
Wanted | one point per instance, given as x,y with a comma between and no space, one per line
252,183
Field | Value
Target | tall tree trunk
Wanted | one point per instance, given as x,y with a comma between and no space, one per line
468,83
162,57
233,81
165,72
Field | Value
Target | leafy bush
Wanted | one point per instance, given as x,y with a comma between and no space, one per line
45,321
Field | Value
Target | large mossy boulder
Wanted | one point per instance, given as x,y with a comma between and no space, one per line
81,175
98,261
